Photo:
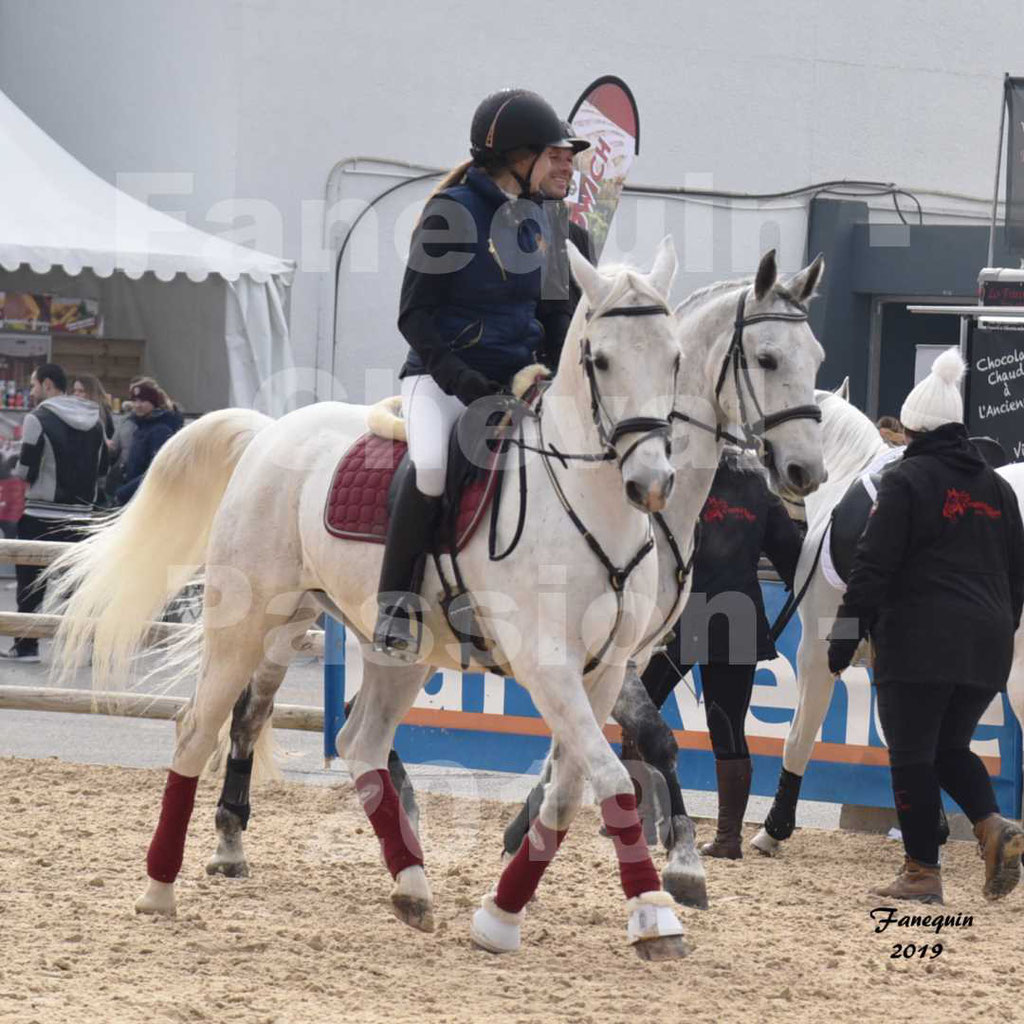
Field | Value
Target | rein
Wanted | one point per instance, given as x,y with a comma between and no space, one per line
609,433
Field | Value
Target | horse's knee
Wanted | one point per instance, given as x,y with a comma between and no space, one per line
611,778
562,799
658,745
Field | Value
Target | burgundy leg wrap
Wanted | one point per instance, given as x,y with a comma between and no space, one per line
397,837
523,872
167,848
622,823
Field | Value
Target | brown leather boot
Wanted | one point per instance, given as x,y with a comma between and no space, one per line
733,791
1000,843
914,882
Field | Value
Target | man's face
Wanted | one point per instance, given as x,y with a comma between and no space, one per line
555,167
37,394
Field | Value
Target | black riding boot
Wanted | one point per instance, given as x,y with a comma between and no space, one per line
409,534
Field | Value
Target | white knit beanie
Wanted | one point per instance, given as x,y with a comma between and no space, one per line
936,400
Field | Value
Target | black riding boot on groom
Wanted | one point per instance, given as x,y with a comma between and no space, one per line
413,521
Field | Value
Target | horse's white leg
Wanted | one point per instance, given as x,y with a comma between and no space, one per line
814,694
582,747
386,695
231,654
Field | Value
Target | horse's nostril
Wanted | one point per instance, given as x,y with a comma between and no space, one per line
797,475
634,493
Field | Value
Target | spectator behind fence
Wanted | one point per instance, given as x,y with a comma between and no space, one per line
120,446
156,421
85,385
63,453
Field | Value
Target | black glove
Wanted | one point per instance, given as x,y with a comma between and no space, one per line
844,640
473,385
840,654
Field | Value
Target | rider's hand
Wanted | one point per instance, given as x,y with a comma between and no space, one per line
840,654
473,385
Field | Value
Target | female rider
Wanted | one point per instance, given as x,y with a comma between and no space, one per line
473,314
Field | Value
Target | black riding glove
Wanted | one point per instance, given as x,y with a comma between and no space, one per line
473,385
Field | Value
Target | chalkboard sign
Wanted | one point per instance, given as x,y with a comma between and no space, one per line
994,394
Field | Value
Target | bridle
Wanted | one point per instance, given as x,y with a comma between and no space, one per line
609,433
753,431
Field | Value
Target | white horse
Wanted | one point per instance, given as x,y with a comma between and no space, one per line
258,491
705,402
789,347
851,445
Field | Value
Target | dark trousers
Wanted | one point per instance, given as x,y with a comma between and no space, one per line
727,690
29,594
928,730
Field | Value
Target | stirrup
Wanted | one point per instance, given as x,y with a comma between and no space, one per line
394,635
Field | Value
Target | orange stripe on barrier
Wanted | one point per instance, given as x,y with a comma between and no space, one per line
769,746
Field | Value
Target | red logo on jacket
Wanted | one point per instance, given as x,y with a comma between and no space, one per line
716,511
959,503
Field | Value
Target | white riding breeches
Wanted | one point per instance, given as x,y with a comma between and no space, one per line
429,415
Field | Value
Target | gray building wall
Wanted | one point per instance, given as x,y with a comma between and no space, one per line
234,113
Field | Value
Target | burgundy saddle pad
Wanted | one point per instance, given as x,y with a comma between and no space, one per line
357,502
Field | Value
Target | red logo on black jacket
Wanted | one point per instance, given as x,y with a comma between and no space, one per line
716,510
959,503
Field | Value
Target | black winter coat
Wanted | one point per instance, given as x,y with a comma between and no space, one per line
724,620
938,577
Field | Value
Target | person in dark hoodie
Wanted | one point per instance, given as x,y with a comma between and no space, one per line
938,583
63,454
156,421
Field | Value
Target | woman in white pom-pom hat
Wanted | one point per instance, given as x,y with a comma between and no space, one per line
938,582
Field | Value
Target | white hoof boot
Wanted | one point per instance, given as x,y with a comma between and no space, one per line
157,899
412,900
494,929
654,931
764,843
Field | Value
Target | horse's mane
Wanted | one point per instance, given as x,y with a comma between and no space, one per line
849,439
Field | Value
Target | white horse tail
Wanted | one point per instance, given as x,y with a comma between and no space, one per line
111,586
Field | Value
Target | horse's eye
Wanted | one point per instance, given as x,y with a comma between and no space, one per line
767,362
600,361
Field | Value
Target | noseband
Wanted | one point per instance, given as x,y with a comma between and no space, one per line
753,431
608,431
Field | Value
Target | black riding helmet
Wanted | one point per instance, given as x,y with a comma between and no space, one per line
516,119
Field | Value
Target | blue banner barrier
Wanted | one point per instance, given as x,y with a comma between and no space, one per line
485,721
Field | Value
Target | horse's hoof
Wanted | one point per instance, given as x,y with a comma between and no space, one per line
688,888
228,868
414,911
765,844
157,899
495,930
669,947
412,900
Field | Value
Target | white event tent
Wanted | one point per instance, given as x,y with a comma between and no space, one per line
214,314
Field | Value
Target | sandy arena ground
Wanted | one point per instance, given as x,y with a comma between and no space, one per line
309,937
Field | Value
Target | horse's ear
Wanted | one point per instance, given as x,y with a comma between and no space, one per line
767,275
665,265
843,391
591,283
801,286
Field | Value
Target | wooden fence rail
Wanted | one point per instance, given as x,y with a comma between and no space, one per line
135,705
